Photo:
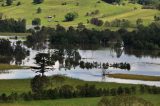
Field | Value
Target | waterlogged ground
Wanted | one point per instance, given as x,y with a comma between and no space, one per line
142,63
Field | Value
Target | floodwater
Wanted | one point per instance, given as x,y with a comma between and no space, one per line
142,63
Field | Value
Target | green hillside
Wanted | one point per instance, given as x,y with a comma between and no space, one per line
108,12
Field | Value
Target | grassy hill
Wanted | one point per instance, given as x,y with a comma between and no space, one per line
108,12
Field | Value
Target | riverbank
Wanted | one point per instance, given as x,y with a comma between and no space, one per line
135,77
23,85
8,67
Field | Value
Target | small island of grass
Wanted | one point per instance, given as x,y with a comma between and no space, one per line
135,77
8,67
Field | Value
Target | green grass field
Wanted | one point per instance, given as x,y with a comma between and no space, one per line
23,85
108,12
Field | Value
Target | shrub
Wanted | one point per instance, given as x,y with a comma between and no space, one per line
96,21
64,3
19,3
39,10
71,16
36,21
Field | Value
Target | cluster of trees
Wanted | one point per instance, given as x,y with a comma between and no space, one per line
148,4
9,52
157,18
124,100
9,2
144,38
92,13
11,25
122,65
118,23
71,16
149,89
96,21
81,36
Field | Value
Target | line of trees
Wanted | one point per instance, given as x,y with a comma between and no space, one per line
124,100
118,23
11,25
145,38
149,89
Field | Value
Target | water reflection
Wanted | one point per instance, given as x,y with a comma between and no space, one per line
12,52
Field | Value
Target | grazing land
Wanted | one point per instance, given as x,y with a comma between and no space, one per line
107,12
